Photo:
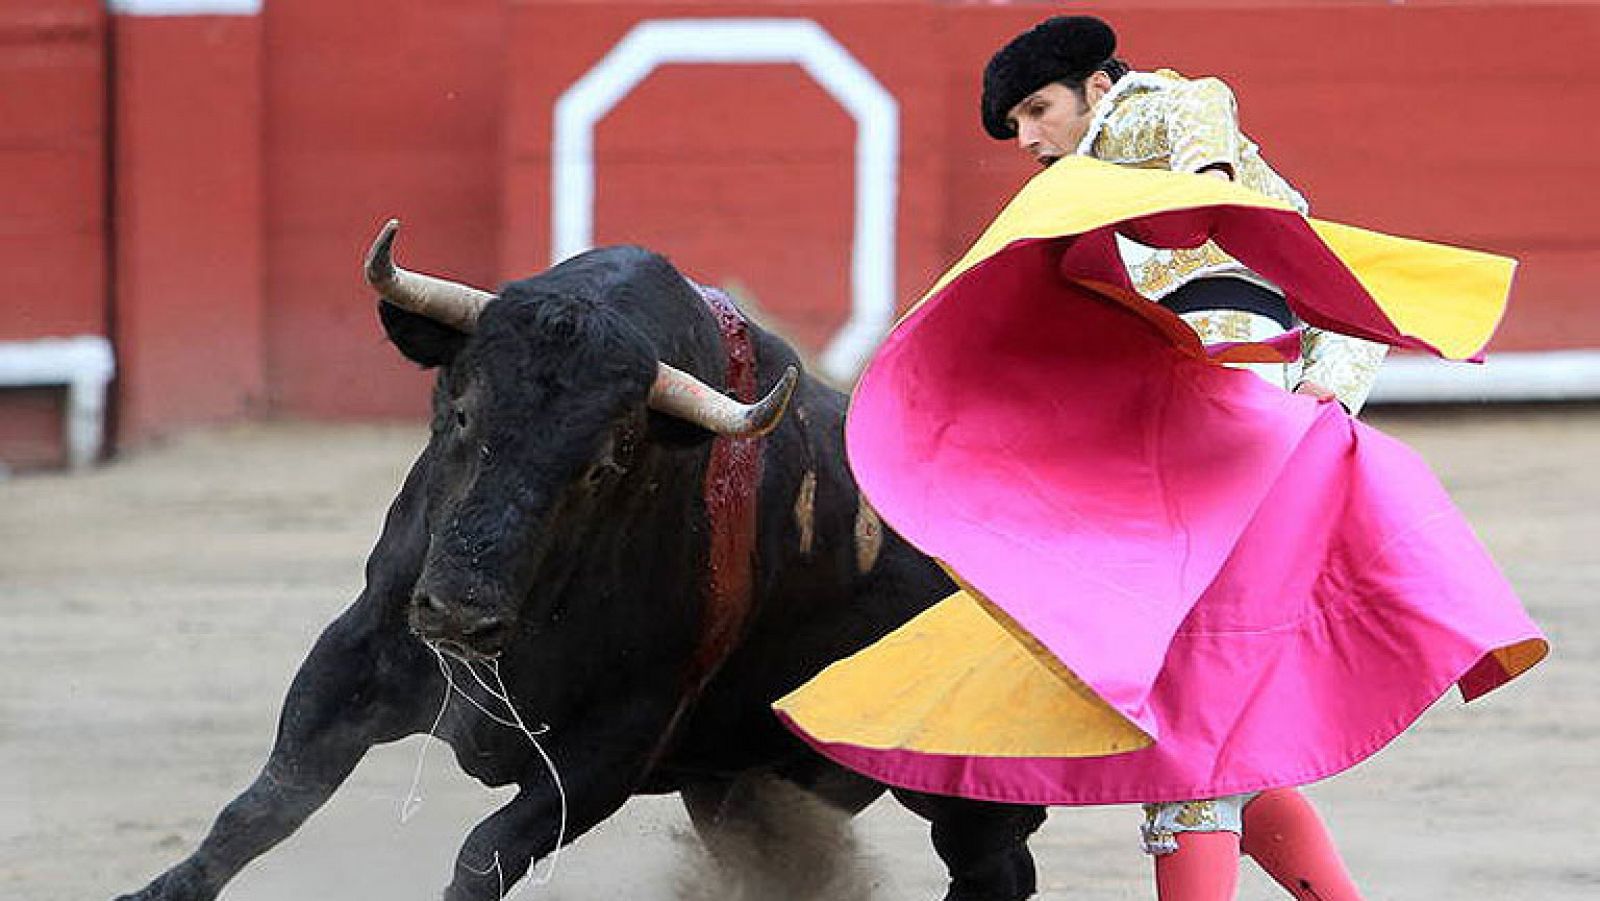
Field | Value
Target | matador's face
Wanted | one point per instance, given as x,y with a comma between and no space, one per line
1051,122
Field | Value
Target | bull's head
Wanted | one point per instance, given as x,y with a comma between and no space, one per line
542,404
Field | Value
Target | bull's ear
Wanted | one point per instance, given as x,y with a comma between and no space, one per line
426,342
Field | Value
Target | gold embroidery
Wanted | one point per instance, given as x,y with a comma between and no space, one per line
1198,815
1344,365
1163,121
1216,326
1163,821
1164,270
1203,130
1135,132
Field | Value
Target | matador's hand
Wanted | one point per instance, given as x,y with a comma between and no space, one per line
1315,390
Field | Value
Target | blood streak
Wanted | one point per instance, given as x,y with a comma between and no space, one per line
733,476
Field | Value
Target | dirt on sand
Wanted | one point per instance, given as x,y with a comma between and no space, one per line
153,612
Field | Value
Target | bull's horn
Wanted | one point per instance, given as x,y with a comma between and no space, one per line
451,303
680,394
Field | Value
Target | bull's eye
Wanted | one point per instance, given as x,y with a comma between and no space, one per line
461,418
596,474
604,467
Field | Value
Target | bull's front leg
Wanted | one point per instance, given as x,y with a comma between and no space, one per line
501,848
333,713
600,763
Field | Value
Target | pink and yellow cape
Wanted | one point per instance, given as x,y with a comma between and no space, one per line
1178,581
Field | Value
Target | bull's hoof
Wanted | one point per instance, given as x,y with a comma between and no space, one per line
478,887
1007,876
180,883
986,895
989,893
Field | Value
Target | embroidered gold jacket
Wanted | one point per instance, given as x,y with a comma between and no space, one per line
1161,120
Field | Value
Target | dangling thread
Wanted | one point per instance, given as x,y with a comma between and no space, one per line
500,876
413,799
555,776
412,802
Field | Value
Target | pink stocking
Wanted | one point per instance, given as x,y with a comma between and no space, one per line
1286,837
1204,868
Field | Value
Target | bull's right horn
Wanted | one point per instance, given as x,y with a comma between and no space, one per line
451,303
680,394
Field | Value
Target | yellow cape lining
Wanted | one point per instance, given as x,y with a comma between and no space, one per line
1449,297
953,680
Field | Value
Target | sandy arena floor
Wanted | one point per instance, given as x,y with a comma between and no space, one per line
154,611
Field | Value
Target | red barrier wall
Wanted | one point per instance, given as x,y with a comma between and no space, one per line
52,168
743,174
374,108
52,198
189,264
255,157
1412,119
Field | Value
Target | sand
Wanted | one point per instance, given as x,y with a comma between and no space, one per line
155,609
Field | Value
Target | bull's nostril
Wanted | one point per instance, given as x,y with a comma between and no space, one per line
484,627
435,616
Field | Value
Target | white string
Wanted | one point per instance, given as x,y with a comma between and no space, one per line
555,775
413,800
500,876
503,697
449,678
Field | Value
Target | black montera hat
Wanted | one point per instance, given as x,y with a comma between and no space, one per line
1062,48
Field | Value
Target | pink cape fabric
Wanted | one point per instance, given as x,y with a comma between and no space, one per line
1268,588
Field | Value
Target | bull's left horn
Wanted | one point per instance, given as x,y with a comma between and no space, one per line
680,394
451,303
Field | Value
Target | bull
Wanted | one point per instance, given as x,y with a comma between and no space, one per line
597,536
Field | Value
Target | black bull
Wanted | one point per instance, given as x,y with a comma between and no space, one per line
556,525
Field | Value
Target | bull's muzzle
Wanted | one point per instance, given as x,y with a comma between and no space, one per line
465,630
